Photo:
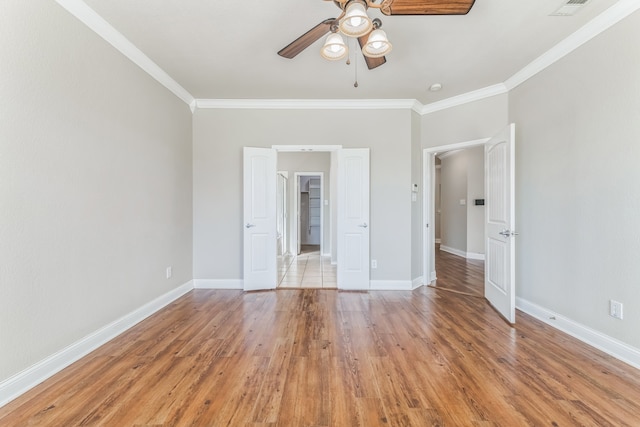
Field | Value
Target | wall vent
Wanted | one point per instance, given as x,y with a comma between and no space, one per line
569,7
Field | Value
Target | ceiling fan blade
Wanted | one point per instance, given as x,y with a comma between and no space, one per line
429,7
307,39
371,62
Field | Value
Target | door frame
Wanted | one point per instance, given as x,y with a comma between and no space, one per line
296,207
285,210
428,200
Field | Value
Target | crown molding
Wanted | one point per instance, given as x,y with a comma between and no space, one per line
308,104
591,29
465,98
95,22
599,24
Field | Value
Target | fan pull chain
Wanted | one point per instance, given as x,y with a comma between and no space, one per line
356,61
349,53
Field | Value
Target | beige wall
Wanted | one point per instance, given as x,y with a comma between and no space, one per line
95,187
219,136
462,178
468,122
453,184
578,183
416,206
475,190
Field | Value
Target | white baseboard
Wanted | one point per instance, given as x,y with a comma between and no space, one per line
218,283
390,285
417,282
23,381
433,277
463,254
453,251
609,345
438,240
474,255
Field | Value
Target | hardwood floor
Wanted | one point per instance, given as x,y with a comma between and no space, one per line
459,274
327,358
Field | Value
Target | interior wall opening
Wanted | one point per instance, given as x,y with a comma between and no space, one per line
306,221
457,213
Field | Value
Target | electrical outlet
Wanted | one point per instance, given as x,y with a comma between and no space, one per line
615,309
374,264
169,272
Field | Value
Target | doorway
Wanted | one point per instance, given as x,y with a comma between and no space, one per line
499,224
349,206
459,216
446,206
311,199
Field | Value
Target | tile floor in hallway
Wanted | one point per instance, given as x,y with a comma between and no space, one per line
307,270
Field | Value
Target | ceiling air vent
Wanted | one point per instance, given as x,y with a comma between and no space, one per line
569,7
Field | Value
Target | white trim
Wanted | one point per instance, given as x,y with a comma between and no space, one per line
454,251
597,25
447,154
475,255
463,254
609,345
311,104
23,381
457,145
95,22
417,282
438,241
391,285
305,148
465,98
433,277
218,284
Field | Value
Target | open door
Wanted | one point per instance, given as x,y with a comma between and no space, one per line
353,219
499,283
259,225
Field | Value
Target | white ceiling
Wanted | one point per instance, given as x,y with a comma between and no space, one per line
228,50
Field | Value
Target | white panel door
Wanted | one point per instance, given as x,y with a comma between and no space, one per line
499,283
259,225
353,218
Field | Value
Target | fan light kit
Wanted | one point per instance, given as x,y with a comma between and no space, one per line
354,22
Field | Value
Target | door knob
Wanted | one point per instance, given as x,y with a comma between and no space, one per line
508,233
363,225
250,225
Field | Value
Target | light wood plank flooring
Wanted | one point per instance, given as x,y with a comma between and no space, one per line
316,357
458,274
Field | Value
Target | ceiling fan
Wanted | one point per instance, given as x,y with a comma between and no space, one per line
354,22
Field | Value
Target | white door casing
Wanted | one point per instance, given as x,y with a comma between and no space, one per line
499,285
353,219
260,219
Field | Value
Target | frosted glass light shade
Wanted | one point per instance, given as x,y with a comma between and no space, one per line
334,48
355,23
377,45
